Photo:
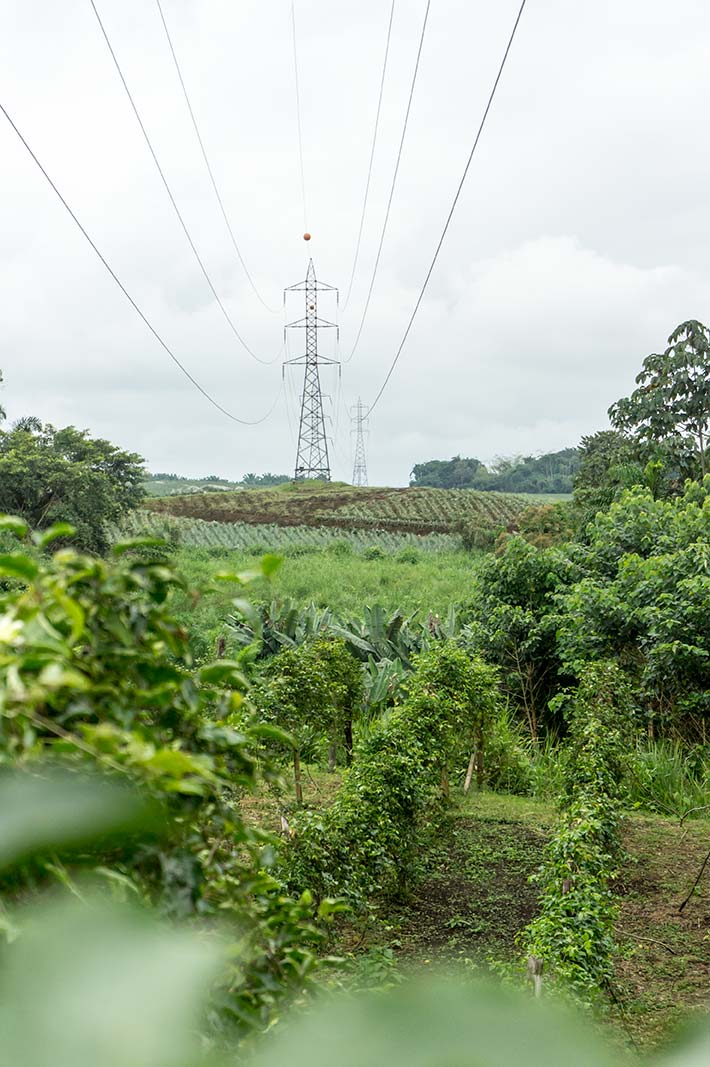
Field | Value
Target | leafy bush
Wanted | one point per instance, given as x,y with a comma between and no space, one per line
374,552
408,555
475,537
96,672
340,548
366,842
642,600
573,934
513,622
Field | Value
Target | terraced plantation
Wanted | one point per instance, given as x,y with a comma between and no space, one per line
410,510
257,538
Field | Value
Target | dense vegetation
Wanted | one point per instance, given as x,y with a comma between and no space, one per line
49,476
552,472
236,780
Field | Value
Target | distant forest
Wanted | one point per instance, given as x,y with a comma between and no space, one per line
551,473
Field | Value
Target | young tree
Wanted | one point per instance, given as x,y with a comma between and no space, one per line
672,402
49,476
312,689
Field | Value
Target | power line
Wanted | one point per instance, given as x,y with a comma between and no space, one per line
394,182
372,156
298,116
121,286
452,208
207,163
168,190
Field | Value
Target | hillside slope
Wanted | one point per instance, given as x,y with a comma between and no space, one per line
410,510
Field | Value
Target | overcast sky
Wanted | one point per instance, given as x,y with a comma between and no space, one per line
580,241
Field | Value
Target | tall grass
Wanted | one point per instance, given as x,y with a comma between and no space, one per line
666,777
670,778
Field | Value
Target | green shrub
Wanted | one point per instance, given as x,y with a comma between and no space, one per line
475,538
508,762
340,549
297,551
573,935
96,672
312,690
367,841
409,555
374,552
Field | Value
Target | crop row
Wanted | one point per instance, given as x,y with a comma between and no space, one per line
416,511
266,537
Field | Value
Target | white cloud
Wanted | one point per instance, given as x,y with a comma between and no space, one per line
579,241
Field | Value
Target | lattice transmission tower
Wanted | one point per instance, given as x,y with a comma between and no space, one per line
360,464
312,453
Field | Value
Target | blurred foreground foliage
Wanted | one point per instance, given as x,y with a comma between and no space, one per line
96,675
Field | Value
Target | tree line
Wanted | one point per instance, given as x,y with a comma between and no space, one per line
550,473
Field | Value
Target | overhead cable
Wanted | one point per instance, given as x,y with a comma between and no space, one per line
132,302
210,172
394,183
298,116
168,190
452,208
372,156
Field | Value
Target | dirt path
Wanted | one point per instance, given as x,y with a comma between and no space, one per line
664,969
475,894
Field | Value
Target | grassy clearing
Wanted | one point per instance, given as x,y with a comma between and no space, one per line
344,584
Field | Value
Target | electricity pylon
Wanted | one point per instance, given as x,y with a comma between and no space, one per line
360,464
312,452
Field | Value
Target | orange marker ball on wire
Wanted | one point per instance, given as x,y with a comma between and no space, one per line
306,237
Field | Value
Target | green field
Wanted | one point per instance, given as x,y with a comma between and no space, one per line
343,583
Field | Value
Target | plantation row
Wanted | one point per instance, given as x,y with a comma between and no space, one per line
201,533
417,511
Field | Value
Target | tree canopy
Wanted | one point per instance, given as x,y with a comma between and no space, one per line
50,475
672,402
549,473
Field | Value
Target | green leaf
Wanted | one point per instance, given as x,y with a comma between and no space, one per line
54,811
103,985
14,526
224,670
18,565
434,1024
59,529
270,564
271,733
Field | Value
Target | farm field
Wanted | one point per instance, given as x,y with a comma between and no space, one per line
255,538
418,584
473,895
410,510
